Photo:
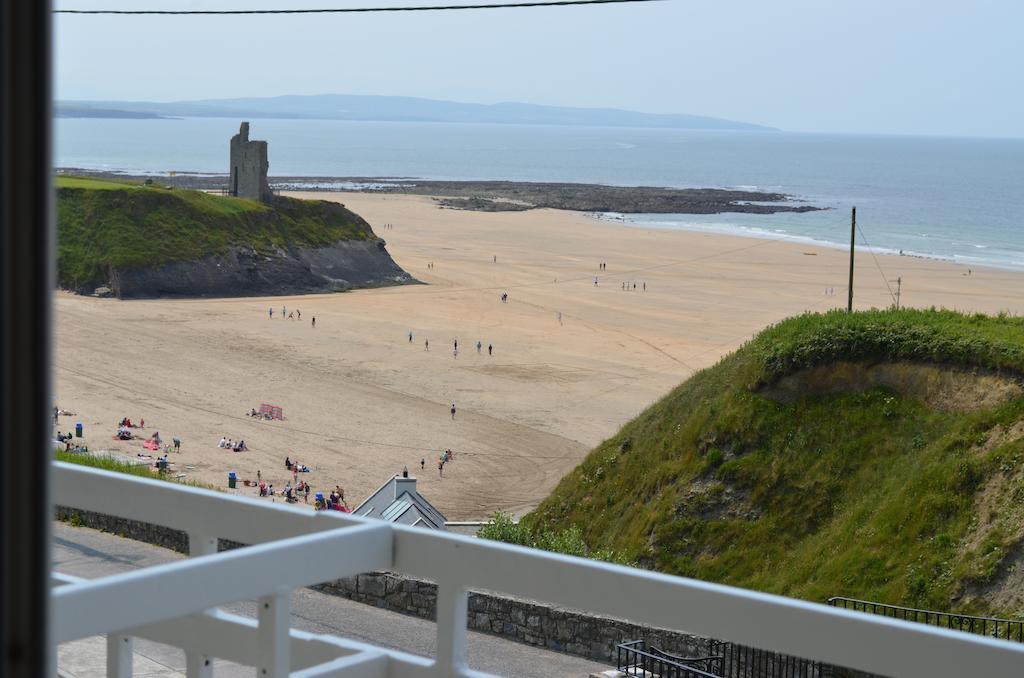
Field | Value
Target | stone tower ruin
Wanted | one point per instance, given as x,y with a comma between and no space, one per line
249,167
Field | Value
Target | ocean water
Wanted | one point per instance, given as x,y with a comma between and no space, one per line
958,199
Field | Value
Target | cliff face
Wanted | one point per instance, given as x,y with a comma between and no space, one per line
134,241
244,272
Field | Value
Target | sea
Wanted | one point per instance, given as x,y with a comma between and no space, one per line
960,199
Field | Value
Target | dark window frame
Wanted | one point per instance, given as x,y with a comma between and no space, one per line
26,289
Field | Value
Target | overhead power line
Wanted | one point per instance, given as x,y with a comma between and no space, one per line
346,10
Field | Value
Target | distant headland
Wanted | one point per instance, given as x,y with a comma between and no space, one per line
396,109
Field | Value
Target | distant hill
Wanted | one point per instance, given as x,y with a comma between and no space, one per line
875,455
143,240
404,109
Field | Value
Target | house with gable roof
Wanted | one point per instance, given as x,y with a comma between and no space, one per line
397,501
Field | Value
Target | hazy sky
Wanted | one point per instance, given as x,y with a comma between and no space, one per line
946,67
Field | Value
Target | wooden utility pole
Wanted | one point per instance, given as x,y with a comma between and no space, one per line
899,285
853,236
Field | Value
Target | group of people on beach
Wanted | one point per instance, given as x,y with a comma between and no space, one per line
291,315
455,346
626,286
229,444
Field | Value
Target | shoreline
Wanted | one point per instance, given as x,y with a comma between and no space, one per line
759,234
637,201
502,196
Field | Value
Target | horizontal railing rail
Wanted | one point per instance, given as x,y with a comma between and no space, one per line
457,564
995,627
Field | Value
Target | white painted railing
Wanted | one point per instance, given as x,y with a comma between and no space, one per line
172,603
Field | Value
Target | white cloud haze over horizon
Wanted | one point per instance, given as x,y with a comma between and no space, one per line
914,67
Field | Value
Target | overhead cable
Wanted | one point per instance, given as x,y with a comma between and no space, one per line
346,10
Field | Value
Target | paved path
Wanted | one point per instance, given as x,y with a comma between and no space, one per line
88,553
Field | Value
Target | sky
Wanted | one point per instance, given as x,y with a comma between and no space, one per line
923,67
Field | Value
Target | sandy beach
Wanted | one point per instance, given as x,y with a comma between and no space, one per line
572,361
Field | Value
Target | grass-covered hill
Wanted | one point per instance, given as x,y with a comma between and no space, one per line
877,455
106,227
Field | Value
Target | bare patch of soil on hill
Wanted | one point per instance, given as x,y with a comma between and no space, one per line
944,388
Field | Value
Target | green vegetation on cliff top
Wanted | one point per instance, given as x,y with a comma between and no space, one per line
873,494
103,224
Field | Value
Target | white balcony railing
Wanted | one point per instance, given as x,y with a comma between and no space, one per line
176,603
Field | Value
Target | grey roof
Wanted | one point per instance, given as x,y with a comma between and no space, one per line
397,501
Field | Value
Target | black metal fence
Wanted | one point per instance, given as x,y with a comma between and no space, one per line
1007,629
742,661
634,658
723,660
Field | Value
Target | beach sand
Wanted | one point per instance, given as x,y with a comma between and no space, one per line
361,401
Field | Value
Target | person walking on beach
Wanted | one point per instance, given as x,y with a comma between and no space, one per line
314,321
291,316
284,311
479,347
455,345
490,349
177,444
271,312
453,411
259,476
423,463
299,314
410,336
559,317
645,286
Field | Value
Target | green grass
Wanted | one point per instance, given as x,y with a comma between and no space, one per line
67,181
870,495
105,225
105,464
115,466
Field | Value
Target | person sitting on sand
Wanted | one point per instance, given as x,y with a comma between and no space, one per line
288,463
223,442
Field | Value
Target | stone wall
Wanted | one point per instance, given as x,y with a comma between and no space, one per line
523,621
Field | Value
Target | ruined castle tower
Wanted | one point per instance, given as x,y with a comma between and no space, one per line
249,167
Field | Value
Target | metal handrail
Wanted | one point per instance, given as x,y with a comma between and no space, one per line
459,564
631,657
1012,629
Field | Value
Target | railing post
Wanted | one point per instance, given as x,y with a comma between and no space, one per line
119,656
274,636
452,608
197,665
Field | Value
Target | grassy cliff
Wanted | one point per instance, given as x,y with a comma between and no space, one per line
877,455
104,225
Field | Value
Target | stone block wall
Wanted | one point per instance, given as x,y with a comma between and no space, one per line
524,621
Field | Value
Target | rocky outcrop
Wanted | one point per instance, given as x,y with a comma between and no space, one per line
241,272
